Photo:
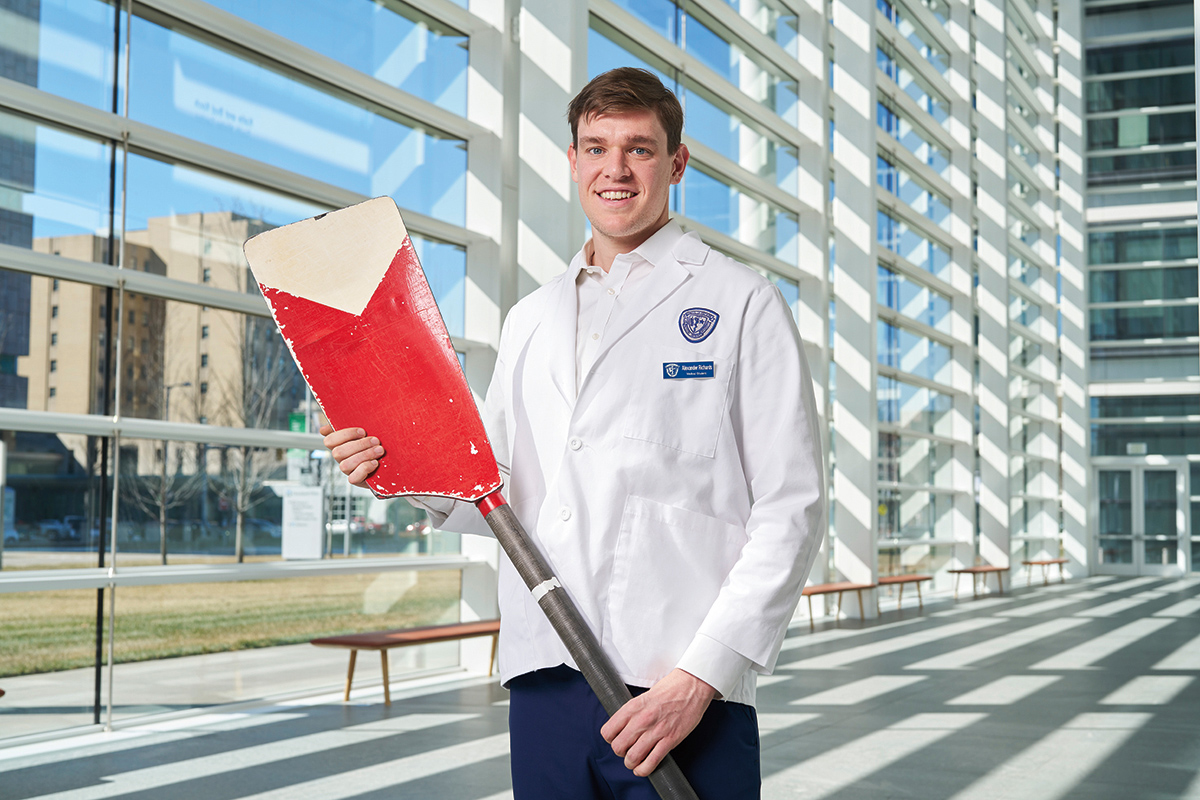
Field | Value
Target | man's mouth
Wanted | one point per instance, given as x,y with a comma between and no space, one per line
614,195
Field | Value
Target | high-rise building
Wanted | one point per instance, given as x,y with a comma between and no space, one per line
1143,320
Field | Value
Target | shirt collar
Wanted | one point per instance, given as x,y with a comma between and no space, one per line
654,250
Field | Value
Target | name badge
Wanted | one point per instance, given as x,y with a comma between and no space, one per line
674,370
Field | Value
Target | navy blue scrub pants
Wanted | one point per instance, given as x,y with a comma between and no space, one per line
554,722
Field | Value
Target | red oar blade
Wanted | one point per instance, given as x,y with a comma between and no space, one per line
348,294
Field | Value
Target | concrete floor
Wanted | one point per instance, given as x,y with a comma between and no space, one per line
1085,691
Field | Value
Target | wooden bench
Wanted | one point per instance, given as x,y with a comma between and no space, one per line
892,580
1045,563
386,640
836,588
974,572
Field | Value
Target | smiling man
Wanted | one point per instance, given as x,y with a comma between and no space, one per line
654,412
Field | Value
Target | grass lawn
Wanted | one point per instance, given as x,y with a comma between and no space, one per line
49,631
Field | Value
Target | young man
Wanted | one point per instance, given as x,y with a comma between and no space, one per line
654,412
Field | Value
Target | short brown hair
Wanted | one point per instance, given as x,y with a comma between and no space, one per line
628,89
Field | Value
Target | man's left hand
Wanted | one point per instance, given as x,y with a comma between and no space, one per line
649,726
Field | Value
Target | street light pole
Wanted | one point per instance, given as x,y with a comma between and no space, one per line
162,474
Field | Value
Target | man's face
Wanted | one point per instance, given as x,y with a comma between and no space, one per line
625,174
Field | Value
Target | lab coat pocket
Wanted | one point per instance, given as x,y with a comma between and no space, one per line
678,399
669,566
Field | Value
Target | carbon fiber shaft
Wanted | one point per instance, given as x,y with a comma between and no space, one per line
668,780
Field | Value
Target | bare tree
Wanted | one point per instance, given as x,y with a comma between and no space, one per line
157,495
261,389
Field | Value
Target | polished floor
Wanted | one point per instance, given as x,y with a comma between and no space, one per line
1084,691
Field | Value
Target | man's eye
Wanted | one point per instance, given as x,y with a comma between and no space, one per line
641,151
594,151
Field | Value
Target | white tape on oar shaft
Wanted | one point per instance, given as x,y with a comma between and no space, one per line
544,588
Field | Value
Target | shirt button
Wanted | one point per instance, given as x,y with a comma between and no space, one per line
564,514
575,443
612,291
595,336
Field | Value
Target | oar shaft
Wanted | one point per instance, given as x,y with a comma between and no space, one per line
668,780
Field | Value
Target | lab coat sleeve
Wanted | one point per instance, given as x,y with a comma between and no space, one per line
461,517
775,424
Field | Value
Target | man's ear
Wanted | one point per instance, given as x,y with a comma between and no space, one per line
679,163
571,156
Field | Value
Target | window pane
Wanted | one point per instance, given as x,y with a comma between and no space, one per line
1124,285
1131,58
1139,130
197,91
661,15
910,352
1159,90
1161,439
1155,244
902,130
913,300
1152,406
744,70
914,461
1142,167
897,236
393,43
912,407
64,47
911,515
1172,322
735,213
898,182
712,124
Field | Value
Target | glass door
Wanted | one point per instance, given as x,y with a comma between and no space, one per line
1140,520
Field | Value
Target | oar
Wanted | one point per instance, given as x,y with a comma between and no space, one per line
348,294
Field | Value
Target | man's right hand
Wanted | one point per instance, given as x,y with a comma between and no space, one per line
356,453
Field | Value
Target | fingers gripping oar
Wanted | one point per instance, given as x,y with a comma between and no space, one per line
350,298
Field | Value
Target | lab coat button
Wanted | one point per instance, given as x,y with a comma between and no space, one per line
564,514
575,443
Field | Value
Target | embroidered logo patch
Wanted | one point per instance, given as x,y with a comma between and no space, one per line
697,323
675,370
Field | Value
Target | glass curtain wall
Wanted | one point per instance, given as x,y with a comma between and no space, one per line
127,187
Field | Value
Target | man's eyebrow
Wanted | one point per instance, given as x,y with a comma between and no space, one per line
632,140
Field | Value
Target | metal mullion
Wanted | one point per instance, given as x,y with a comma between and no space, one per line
744,252
1021,412
1160,341
916,115
147,140
33,263
931,25
913,57
1028,374
910,270
742,177
1014,38
916,326
1027,252
1127,265
1025,332
918,487
751,37
1028,172
914,220
1176,302
1026,130
887,427
136,428
1027,92
1160,72
1174,420
95,578
1149,225
1025,291
1145,148
1026,14
917,169
237,34
1137,112
917,380
1162,34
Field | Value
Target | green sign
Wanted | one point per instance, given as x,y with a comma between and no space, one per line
296,424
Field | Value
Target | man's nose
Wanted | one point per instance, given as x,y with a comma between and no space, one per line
616,165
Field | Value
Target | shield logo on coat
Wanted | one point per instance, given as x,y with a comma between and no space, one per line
672,370
697,323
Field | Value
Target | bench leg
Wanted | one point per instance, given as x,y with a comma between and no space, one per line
387,690
839,616
1045,575
1000,582
492,661
1061,577
900,598
957,575
811,626
862,610
975,585
350,675
1029,575
920,602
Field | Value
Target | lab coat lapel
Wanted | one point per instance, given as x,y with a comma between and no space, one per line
661,283
557,338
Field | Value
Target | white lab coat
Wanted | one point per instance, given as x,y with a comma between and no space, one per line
676,513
